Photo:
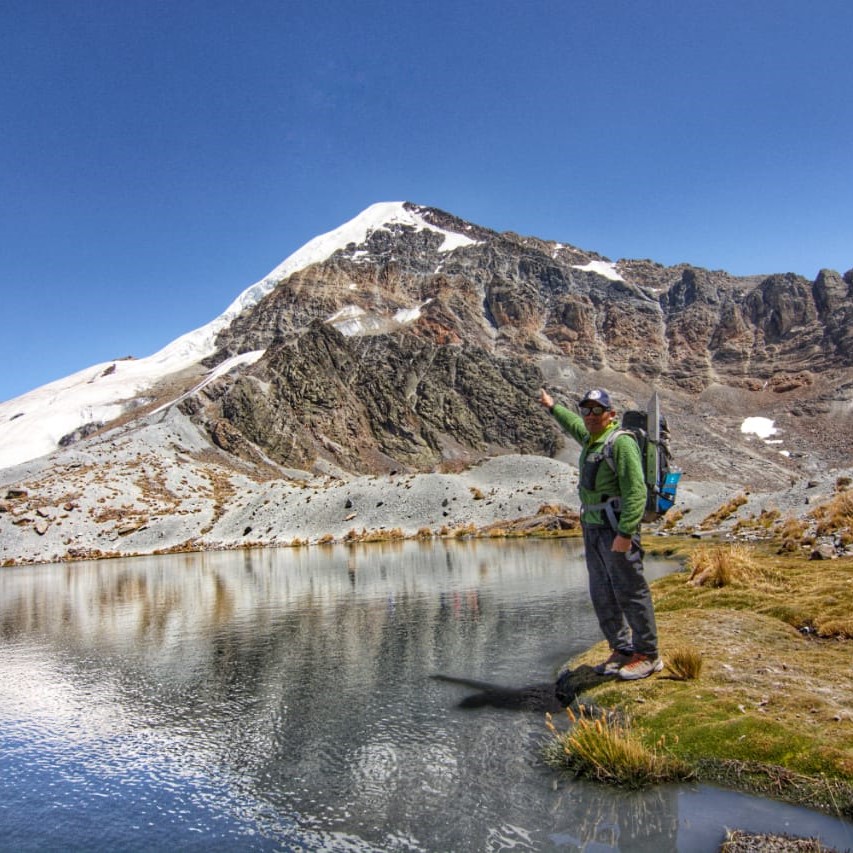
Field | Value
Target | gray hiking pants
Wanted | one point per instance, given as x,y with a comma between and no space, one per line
619,592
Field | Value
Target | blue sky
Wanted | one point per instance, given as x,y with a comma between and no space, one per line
157,158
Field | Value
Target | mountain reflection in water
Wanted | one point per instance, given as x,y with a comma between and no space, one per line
383,697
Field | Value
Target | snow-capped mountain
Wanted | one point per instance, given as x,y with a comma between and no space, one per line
35,423
402,283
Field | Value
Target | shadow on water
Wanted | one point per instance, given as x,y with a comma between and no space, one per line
547,696
534,697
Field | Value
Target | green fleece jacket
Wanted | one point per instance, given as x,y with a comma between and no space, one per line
628,481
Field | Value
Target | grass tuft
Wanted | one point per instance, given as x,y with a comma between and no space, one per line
722,565
793,534
836,517
606,749
722,513
685,663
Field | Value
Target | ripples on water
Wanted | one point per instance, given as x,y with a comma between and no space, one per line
381,698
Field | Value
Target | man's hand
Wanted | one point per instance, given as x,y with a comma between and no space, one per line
621,544
545,398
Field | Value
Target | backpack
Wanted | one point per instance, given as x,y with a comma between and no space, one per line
661,479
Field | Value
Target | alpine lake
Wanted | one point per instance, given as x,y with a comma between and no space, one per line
355,698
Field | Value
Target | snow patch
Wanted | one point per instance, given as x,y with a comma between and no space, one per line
451,240
412,218
345,313
602,268
762,427
409,315
352,320
220,370
349,320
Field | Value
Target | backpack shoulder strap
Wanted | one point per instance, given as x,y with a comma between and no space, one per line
607,449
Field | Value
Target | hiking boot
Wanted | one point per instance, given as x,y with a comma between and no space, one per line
640,666
612,665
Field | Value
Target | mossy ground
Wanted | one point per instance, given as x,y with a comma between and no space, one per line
772,709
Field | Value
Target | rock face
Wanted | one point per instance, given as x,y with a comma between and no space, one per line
376,403
396,353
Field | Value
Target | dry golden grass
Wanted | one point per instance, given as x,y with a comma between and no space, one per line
222,490
792,534
610,750
380,535
815,597
765,520
725,564
554,509
836,517
685,663
722,513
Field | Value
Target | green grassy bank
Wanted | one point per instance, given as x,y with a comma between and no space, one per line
757,693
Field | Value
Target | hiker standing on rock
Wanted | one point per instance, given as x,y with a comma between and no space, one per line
612,504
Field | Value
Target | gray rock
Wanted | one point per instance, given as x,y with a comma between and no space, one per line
824,551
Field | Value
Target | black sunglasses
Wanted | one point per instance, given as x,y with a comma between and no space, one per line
591,410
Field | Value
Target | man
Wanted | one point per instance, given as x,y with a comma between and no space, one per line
612,504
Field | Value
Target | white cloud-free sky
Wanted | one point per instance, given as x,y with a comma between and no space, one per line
157,158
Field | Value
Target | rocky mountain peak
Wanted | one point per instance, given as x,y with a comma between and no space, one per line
428,310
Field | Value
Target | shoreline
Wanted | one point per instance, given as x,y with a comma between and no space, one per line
61,513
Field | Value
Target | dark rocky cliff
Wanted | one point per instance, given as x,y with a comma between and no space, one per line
383,402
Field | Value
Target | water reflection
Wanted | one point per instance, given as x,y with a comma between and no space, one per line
387,697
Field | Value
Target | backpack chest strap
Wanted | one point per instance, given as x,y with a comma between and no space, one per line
610,507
